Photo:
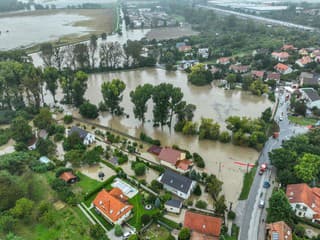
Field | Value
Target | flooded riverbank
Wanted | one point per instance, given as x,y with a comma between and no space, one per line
211,102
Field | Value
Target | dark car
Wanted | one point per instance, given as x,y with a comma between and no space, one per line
266,184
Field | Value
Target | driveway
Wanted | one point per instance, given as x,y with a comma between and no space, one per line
112,236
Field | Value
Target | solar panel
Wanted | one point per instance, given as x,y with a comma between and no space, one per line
275,236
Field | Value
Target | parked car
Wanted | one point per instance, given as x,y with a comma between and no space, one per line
280,118
266,184
261,203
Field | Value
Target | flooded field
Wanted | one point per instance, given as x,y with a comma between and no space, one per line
170,33
211,102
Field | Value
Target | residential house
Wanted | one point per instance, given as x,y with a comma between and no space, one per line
278,231
311,96
87,137
309,79
237,68
304,200
177,184
273,76
174,159
203,52
224,60
302,62
32,143
44,160
112,206
185,49
180,44
261,51
315,53
281,56
155,150
68,177
257,74
202,226
173,205
288,47
283,69
303,52
185,64
43,134
214,70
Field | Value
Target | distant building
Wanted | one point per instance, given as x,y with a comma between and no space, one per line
283,69
288,47
257,74
202,226
177,184
273,76
185,49
309,79
173,205
239,68
185,64
278,231
280,56
203,52
174,159
32,143
304,200
44,160
112,206
303,52
302,62
224,60
87,137
311,96
68,177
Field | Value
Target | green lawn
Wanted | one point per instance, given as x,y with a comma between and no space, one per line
86,183
105,223
155,233
247,182
303,121
138,211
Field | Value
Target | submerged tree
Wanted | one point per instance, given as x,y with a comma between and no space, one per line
139,98
112,95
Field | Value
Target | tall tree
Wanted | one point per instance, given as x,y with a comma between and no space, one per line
58,57
161,100
132,51
79,87
46,53
51,76
139,98
112,95
308,167
44,119
208,129
93,48
20,129
33,82
81,55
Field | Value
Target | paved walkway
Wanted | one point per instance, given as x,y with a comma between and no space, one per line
94,217
86,214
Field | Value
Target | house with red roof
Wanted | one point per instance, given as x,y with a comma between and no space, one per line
68,177
185,48
278,230
283,69
273,76
303,52
112,205
302,62
174,159
224,60
257,74
288,47
304,200
202,226
238,68
280,56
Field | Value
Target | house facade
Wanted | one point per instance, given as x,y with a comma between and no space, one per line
278,230
174,159
283,69
87,137
280,56
177,184
112,206
304,200
311,96
173,206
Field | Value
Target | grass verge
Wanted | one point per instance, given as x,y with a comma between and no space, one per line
303,120
247,182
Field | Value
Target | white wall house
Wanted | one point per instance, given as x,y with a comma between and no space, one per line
87,137
311,96
173,205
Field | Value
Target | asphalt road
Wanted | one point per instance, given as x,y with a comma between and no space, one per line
260,19
253,219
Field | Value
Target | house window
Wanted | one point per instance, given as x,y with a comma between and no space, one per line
299,214
298,206
304,208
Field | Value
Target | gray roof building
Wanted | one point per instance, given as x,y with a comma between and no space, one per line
174,203
82,133
312,94
176,181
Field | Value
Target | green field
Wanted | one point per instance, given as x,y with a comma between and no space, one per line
247,182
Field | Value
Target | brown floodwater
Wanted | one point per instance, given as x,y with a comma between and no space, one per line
211,102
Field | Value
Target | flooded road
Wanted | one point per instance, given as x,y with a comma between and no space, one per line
213,103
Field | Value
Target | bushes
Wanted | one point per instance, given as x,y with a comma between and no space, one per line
5,135
145,219
118,230
89,110
40,167
225,137
201,204
99,187
198,160
197,191
156,186
67,119
231,215
122,157
64,193
145,138
139,169
6,116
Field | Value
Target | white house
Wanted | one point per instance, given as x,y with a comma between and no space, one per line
203,52
173,205
304,200
185,64
87,137
311,96
177,184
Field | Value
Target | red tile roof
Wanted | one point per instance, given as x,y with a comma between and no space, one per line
283,55
203,224
111,206
258,74
288,47
273,76
305,60
302,193
185,48
224,60
281,67
183,164
117,193
281,228
67,176
200,236
170,155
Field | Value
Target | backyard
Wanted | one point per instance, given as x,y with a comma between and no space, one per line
155,232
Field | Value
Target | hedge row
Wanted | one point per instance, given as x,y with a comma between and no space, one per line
146,138
99,187
168,222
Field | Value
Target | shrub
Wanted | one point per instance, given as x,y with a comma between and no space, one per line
145,219
156,186
231,215
118,230
148,139
5,135
139,169
67,119
225,137
198,160
189,202
184,234
197,191
201,204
